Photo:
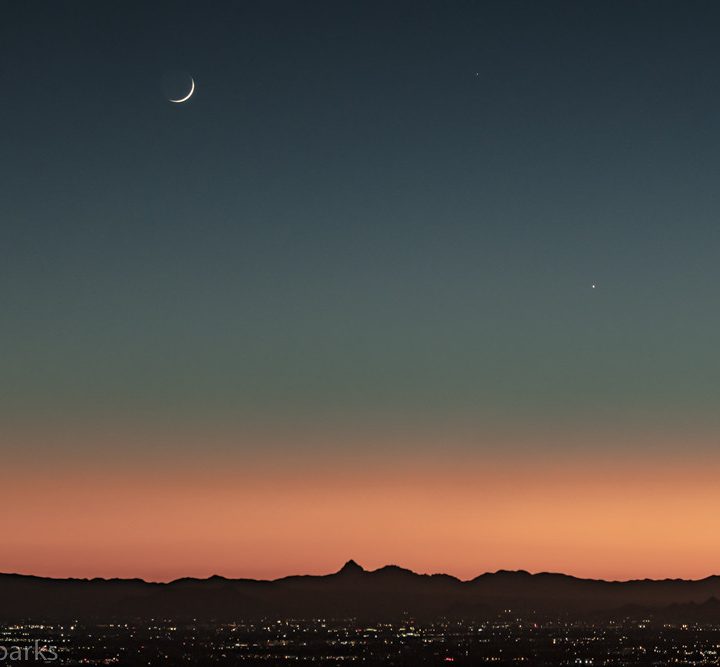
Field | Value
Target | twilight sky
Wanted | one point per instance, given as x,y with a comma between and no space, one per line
340,303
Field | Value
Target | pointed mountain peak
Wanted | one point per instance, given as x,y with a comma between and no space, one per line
351,567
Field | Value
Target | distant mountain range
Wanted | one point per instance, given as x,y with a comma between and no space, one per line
389,592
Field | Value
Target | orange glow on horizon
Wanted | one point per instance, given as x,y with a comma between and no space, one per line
463,515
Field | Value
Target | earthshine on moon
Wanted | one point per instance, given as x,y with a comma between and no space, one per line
188,96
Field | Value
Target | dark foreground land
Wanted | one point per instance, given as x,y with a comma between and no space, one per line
504,641
389,616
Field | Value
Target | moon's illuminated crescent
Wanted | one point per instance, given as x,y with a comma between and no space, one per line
188,96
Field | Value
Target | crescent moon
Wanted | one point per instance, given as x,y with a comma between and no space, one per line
188,96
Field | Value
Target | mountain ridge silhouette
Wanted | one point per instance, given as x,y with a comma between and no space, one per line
352,591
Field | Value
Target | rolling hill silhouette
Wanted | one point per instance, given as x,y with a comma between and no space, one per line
388,592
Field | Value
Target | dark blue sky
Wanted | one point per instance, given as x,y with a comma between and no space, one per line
366,209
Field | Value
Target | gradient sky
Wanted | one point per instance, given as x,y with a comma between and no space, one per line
340,304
